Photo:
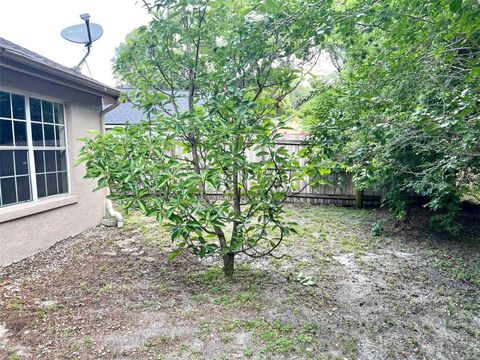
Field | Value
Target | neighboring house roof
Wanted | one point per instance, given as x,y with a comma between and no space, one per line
127,113
39,66
123,114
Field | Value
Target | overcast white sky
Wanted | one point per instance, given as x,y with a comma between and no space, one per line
36,25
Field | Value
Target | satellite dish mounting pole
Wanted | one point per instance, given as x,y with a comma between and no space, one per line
88,45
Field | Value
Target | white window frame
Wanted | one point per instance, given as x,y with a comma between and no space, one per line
31,148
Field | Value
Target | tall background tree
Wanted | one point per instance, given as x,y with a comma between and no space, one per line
234,62
403,113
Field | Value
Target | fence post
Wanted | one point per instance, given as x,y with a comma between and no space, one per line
359,199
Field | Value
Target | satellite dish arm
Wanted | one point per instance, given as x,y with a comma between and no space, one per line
77,68
88,45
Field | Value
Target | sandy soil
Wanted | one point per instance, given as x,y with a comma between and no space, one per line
338,293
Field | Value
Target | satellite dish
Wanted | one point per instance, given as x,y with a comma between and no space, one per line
83,34
79,33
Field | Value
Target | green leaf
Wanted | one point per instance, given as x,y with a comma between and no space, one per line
174,254
455,5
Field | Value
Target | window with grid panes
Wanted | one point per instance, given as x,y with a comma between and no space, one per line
33,153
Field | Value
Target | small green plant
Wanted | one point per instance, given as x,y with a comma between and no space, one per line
14,356
75,346
14,306
305,280
377,228
41,313
311,328
350,346
107,288
248,352
147,303
227,338
68,331
88,343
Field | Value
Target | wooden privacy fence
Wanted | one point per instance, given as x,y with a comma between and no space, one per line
339,191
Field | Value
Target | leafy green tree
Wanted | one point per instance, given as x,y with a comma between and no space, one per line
403,112
233,63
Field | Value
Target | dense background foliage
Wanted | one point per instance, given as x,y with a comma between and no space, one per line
403,112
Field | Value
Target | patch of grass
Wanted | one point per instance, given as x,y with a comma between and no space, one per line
107,288
471,306
159,345
352,245
113,287
14,356
74,347
302,264
204,330
81,345
68,331
460,269
153,233
284,344
161,287
53,307
146,304
88,343
15,305
200,297
327,230
311,328
471,330
169,304
211,277
248,352
227,338
84,286
219,287
246,297
224,300
160,342
238,299
41,313
275,337
350,346
214,281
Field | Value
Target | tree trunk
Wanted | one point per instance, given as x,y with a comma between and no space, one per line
228,264
229,257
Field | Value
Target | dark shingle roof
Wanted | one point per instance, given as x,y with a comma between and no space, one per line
127,113
5,44
16,52
123,114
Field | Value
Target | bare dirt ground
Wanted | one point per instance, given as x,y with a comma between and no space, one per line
339,293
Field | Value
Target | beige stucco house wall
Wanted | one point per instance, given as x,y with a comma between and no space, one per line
29,227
